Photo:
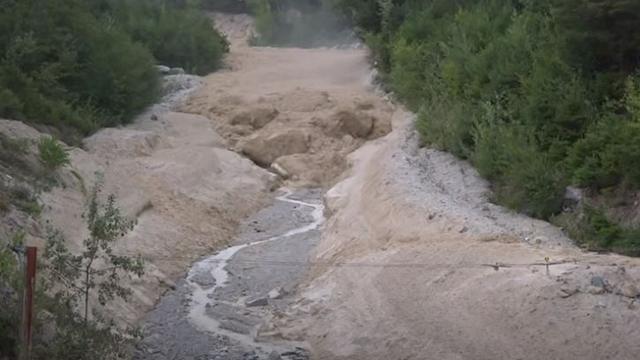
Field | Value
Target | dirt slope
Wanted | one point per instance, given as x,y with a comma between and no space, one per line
412,240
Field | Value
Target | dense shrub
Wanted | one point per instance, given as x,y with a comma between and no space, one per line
51,153
595,231
78,65
177,35
228,6
61,66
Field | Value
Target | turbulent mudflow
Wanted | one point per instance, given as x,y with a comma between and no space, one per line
217,312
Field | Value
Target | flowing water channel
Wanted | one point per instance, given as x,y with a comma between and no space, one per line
218,309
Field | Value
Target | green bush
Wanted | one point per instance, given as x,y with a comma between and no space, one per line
78,65
61,66
51,153
609,153
594,231
25,200
9,281
227,6
178,36
4,202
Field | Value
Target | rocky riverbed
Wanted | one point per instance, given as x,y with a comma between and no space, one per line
219,309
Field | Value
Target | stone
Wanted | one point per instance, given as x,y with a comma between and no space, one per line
264,150
176,71
595,290
162,69
598,281
354,123
573,195
235,326
280,170
257,118
261,301
568,291
274,356
276,293
629,290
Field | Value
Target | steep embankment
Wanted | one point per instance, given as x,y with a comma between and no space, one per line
415,263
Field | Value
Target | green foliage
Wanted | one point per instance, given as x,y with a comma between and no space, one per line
51,153
227,6
9,280
78,65
61,66
537,94
4,202
594,231
609,153
67,282
13,153
25,200
178,36
97,267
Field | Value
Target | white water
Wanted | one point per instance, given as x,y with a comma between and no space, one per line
216,266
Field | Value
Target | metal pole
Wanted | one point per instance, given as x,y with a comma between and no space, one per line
27,306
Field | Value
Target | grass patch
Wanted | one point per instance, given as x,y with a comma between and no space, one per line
594,231
25,200
51,154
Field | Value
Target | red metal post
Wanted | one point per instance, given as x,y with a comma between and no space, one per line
27,309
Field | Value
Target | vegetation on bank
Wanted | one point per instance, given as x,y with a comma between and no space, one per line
66,323
72,66
538,95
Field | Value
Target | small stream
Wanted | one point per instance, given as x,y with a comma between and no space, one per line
208,316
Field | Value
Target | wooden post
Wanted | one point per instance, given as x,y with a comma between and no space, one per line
27,305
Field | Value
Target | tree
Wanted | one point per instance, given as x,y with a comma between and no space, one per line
97,267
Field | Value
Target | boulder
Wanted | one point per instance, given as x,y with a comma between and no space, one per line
595,290
629,290
264,149
355,123
176,71
257,118
280,170
573,196
598,281
262,301
164,70
277,293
